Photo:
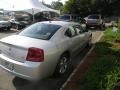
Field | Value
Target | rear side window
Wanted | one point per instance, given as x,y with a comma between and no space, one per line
70,32
93,17
42,31
73,31
79,29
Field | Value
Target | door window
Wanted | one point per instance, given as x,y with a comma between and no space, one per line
79,29
71,32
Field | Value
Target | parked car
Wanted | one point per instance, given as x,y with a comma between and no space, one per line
70,17
41,18
4,23
18,24
43,49
67,17
109,22
95,21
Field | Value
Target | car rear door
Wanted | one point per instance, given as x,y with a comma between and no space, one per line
73,40
82,35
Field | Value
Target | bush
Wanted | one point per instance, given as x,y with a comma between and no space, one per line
103,48
111,36
104,73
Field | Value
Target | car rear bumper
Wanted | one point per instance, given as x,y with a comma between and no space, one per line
26,70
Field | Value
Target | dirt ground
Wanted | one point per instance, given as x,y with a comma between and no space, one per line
80,72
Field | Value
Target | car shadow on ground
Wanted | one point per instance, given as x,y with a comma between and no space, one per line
51,83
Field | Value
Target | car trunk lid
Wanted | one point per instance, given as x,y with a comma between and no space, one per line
16,47
13,52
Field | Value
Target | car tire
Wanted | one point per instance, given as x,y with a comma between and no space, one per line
87,26
101,27
8,28
62,65
17,27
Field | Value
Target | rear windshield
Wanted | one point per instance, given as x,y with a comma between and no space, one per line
93,17
40,31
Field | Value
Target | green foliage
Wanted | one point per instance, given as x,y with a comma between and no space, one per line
119,24
104,73
103,48
85,7
71,7
79,7
97,76
111,36
57,5
112,78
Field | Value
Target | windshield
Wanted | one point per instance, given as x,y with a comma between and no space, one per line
93,17
66,17
40,31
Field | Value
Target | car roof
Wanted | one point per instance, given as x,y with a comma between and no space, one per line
61,23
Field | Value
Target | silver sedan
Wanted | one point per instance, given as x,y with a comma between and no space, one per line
43,49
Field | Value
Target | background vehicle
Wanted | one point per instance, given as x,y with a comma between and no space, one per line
95,21
18,24
108,23
4,23
43,49
70,17
67,17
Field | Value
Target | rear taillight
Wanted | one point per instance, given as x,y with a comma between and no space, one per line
35,55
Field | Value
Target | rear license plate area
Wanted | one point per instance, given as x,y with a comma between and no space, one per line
7,65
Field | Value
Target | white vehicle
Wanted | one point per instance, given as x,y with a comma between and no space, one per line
4,23
95,21
42,49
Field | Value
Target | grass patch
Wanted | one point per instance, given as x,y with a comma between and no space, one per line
110,36
104,73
